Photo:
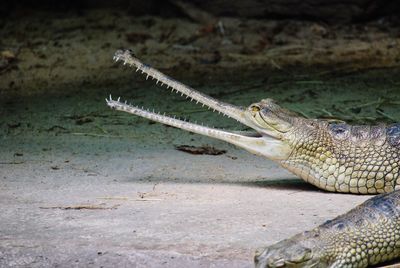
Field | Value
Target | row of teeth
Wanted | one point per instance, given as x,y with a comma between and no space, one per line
110,103
118,58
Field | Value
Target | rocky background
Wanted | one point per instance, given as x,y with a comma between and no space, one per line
45,44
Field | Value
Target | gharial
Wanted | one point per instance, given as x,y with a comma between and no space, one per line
336,157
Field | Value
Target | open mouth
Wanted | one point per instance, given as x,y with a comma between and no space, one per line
251,141
225,109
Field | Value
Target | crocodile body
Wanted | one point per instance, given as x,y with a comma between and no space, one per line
367,235
336,157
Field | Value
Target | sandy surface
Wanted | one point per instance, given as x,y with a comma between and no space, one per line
157,207
85,186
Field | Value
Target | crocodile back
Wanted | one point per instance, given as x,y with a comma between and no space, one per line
366,235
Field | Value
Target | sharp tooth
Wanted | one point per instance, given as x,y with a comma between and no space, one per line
110,98
137,69
118,99
147,77
162,83
124,62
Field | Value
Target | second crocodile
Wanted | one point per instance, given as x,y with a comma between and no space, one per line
367,235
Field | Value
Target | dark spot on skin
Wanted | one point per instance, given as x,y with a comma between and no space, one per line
336,224
339,131
386,206
383,204
377,131
360,132
340,226
393,134
360,222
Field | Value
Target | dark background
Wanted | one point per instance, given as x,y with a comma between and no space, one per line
331,11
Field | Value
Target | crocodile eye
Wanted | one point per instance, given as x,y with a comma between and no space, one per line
255,108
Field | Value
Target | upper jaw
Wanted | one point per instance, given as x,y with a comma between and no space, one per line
232,111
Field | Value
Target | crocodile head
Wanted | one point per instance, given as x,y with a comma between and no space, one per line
302,250
268,118
272,125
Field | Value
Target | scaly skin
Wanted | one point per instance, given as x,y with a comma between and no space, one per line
332,156
343,158
367,235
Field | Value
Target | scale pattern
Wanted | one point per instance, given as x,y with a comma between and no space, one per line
344,158
367,235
